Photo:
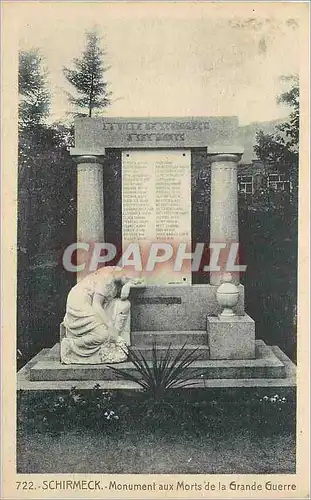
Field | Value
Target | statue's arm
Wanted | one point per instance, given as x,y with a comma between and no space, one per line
125,291
128,283
97,305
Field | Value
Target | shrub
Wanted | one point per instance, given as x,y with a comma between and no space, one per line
91,408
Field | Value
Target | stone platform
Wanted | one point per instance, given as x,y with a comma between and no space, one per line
271,368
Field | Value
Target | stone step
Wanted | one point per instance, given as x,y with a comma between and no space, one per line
164,338
201,350
146,350
266,365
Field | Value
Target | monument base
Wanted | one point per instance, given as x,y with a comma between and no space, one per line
271,368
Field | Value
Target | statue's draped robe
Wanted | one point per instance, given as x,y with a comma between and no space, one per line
88,338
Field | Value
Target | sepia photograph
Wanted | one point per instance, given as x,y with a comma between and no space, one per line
155,197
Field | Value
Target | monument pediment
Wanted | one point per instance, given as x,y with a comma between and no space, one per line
154,132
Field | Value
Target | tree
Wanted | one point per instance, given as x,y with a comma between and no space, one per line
46,192
280,150
273,151
34,103
88,77
270,223
291,127
34,97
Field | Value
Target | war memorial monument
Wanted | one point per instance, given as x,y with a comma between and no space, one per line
167,306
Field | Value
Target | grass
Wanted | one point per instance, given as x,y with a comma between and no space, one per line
242,452
205,434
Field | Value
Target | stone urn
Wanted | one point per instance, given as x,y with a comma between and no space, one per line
227,296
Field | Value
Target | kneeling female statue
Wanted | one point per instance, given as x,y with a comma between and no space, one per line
97,319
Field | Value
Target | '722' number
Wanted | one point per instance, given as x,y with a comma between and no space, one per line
25,485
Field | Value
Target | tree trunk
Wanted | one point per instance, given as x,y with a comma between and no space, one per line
91,96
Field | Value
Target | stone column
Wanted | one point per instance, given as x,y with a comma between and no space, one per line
224,227
90,199
90,203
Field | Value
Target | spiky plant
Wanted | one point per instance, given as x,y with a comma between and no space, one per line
164,372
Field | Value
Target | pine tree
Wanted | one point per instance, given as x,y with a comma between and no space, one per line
34,97
88,77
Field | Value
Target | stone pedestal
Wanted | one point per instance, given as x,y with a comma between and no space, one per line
231,338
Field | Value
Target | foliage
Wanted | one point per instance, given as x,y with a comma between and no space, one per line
32,87
268,246
46,211
42,142
166,371
187,411
269,220
87,77
280,150
270,408
291,127
80,409
40,146
272,150
43,160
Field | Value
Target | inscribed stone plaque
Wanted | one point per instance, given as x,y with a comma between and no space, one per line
156,208
154,132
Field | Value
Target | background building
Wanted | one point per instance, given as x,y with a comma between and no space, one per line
253,175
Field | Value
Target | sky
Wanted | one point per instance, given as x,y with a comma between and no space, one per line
172,60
